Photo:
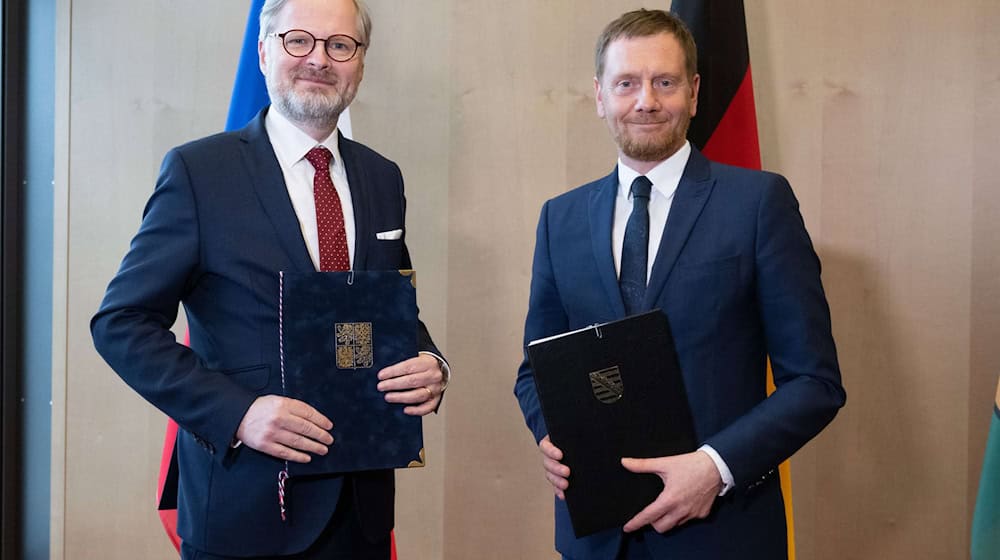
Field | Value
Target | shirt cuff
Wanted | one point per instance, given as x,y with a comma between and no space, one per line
724,472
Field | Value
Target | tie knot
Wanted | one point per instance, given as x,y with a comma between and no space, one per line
641,187
319,157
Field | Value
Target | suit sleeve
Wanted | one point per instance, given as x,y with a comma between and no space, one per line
546,316
799,341
131,328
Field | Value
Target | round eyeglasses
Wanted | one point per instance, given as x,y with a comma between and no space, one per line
300,43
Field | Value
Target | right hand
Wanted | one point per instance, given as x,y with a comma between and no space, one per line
556,472
285,428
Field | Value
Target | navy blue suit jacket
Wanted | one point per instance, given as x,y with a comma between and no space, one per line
216,231
738,280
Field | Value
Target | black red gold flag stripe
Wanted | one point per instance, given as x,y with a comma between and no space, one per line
725,128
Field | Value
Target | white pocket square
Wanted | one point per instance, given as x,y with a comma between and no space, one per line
391,234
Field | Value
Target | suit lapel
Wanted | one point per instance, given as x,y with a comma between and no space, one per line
358,181
689,200
602,210
269,184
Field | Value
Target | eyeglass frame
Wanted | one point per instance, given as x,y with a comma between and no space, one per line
357,44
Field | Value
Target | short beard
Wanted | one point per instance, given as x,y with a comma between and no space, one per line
653,149
649,151
315,108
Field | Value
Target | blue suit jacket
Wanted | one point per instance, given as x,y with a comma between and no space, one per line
738,280
216,231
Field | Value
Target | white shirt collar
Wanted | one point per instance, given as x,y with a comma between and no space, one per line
665,176
291,144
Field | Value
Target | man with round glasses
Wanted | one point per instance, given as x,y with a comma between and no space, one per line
300,43
287,192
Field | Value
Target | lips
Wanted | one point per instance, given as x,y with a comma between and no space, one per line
317,78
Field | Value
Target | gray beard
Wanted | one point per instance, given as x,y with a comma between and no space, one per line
316,109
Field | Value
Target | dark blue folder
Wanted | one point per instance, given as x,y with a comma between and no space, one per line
338,329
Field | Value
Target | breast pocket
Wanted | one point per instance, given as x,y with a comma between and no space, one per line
699,293
386,254
717,277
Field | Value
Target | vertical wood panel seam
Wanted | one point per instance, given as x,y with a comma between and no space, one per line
60,276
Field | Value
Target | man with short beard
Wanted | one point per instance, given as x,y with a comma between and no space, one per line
724,254
230,211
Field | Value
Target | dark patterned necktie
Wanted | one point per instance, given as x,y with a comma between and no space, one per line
635,249
333,253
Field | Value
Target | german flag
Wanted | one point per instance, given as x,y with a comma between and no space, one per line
725,128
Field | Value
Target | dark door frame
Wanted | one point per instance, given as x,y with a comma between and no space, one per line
11,151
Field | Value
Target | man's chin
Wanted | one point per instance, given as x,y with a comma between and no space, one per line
318,104
649,152
306,112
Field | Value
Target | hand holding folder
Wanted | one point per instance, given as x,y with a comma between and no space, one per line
285,428
417,383
606,392
338,331
691,483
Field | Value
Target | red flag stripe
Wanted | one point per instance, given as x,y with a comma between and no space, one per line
735,141
168,517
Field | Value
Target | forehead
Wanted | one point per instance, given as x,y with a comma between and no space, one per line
653,54
320,17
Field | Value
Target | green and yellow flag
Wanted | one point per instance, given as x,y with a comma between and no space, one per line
986,521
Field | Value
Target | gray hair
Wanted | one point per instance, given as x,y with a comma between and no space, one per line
272,7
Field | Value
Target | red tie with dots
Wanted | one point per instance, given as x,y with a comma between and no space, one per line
329,215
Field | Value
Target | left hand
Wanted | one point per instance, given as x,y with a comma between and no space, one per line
417,382
690,484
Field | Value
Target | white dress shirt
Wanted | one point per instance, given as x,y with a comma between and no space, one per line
291,146
665,178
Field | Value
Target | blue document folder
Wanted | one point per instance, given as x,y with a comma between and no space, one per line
338,330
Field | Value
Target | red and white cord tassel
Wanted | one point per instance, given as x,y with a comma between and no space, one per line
282,477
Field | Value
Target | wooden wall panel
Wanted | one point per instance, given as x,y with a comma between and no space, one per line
141,78
871,112
402,111
985,254
508,137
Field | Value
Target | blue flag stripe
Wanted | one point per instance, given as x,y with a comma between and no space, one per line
249,91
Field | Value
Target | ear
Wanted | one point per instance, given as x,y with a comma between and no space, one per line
695,84
261,57
599,97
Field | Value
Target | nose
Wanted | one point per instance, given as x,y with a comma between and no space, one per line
647,99
318,57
